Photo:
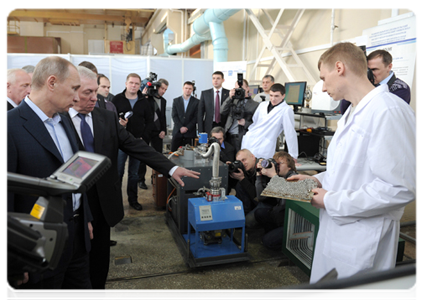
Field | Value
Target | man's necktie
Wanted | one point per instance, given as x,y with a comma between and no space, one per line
217,108
87,136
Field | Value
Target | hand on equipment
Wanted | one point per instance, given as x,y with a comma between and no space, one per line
180,172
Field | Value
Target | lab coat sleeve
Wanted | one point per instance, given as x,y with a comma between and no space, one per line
290,133
391,155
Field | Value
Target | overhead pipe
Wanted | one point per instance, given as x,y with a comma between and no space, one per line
208,27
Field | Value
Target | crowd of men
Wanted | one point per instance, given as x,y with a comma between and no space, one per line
49,107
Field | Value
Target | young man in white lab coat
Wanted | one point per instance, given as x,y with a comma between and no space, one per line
269,120
371,171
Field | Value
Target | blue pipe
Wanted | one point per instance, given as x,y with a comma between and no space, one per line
208,27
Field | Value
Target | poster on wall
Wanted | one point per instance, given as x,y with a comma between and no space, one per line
399,39
116,47
230,70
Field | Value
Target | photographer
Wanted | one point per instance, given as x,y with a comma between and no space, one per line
270,212
154,94
227,151
240,109
140,125
245,174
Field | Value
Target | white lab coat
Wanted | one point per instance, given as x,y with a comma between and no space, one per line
370,177
263,133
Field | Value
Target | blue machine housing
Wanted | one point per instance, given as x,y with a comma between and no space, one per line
216,215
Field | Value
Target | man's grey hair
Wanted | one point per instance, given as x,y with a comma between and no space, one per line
28,68
86,73
11,74
272,79
163,81
217,129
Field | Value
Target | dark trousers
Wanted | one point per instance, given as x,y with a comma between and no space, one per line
75,274
234,140
157,144
133,166
100,244
271,218
178,141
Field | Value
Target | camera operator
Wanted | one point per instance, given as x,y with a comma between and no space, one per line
270,212
140,124
245,174
227,151
154,94
240,109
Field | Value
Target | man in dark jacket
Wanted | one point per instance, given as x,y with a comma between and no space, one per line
139,124
158,131
184,116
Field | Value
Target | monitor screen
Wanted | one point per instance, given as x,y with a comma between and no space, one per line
294,93
80,167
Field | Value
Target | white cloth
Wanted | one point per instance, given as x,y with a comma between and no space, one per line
263,133
370,177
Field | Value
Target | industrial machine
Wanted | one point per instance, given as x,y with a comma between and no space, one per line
208,226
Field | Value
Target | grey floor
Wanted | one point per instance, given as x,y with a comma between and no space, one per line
147,258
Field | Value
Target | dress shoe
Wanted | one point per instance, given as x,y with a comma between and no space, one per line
142,185
112,243
136,205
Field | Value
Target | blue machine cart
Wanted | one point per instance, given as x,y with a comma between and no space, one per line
204,216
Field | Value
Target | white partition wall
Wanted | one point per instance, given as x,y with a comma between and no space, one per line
117,67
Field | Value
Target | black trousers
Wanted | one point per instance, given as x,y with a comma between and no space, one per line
157,144
100,244
75,274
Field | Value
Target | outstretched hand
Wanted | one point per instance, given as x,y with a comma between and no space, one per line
181,172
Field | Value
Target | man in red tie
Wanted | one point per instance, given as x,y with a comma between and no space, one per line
209,106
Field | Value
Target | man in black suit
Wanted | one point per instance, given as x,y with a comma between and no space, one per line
158,131
227,151
105,197
18,87
39,141
210,102
140,125
239,114
184,116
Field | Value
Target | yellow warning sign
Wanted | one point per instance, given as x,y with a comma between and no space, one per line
37,211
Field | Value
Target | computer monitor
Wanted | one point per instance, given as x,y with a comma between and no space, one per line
294,93
255,89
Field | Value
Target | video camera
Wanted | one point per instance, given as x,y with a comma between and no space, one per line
234,166
238,107
193,89
151,84
36,241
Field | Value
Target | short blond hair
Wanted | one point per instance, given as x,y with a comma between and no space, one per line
51,65
347,53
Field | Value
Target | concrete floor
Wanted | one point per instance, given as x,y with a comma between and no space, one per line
147,258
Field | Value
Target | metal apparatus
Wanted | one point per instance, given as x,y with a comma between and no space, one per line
208,227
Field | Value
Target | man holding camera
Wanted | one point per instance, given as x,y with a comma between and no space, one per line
245,173
270,212
158,132
139,124
240,108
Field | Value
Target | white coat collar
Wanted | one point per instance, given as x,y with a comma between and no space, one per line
360,106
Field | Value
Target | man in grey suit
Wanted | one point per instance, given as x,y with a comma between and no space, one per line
184,116
239,115
210,102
